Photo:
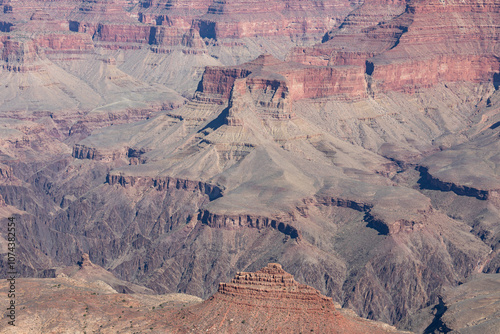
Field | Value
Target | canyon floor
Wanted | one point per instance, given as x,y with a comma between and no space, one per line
355,144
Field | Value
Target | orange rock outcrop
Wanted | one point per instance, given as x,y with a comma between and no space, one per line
271,301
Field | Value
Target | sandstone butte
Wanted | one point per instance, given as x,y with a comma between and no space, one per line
271,301
85,298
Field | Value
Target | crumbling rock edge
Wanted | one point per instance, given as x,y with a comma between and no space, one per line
427,181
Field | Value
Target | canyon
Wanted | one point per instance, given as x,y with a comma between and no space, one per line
85,299
183,143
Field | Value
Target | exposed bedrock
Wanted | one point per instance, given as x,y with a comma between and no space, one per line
233,19
122,33
84,152
469,308
272,282
408,46
229,221
117,24
5,172
408,76
145,201
358,80
219,81
433,49
23,47
107,21
300,80
382,225
157,240
427,181
164,183
413,284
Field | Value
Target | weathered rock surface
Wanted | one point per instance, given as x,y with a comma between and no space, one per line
50,71
298,80
309,161
265,301
270,300
290,192
409,47
235,19
89,272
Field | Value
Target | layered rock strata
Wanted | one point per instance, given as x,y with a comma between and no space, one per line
274,285
291,131
229,221
300,81
264,301
270,300
166,183
427,181
25,47
232,19
410,47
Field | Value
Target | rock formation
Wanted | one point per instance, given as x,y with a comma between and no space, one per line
266,301
233,19
84,300
270,300
180,142
300,81
410,47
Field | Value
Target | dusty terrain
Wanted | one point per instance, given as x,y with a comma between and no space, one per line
178,143
83,303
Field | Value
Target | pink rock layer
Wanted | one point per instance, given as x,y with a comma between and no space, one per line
298,80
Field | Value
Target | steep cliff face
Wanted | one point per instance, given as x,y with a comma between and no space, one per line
370,29
407,47
242,172
363,163
89,13
60,73
396,51
24,48
453,312
234,19
299,81
434,49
